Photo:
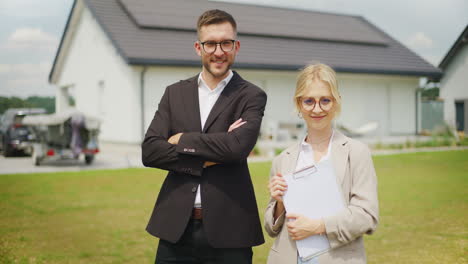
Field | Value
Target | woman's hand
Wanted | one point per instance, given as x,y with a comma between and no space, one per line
238,123
300,227
277,187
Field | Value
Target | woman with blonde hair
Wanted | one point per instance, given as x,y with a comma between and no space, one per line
318,102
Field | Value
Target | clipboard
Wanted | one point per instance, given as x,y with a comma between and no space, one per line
313,192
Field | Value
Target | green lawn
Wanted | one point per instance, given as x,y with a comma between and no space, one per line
100,216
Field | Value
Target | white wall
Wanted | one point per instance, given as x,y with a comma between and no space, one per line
103,84
280,109
388,100
156,81
402,102
454,84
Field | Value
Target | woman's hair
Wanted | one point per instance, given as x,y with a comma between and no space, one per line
319,72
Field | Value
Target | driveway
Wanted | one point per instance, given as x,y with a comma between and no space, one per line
118,156
111,156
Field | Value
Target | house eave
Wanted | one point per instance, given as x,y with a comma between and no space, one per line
62,40
286,67
457,45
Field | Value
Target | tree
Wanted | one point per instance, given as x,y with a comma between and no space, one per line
430,94
44,102
47,103
12,102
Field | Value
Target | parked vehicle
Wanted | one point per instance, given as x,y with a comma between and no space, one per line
15,137
65,135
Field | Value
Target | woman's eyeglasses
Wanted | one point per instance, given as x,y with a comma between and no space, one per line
325,103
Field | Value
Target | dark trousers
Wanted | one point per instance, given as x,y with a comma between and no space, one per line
193,248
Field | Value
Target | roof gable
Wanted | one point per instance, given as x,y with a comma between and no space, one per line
459,43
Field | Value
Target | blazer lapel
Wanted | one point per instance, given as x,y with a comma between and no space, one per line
228,94
340,152
192,105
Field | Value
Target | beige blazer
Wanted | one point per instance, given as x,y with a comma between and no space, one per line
355,175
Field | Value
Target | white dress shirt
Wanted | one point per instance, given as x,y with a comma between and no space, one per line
207,98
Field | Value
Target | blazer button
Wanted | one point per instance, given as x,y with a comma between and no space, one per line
194,189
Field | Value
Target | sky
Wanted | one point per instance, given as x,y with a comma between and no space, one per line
30,32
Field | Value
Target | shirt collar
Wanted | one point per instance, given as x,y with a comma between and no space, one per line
220,85
305,145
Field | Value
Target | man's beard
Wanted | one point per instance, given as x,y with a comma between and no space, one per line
216,74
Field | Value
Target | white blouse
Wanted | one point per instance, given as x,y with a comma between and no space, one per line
306,154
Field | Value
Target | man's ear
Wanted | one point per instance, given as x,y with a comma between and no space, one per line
237,47
197,47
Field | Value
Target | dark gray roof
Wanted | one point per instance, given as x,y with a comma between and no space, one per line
254,20
459,43
161,32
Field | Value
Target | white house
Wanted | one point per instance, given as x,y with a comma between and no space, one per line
117,56
454,83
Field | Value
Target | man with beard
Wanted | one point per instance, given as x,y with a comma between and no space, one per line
203,131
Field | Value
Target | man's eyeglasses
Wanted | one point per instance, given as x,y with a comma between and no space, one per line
325,103
225,45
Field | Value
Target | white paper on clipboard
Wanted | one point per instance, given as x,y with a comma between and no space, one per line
313,192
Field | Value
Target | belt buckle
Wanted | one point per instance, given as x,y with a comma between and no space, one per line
197,214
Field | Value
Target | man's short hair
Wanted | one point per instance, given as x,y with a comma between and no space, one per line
215,16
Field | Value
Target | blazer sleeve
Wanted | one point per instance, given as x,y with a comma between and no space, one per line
228,147
272,227
158,153
362,213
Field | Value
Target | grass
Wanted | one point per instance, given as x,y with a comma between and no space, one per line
440,137
100,216
435,141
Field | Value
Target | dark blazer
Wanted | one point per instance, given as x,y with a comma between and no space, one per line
230,213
